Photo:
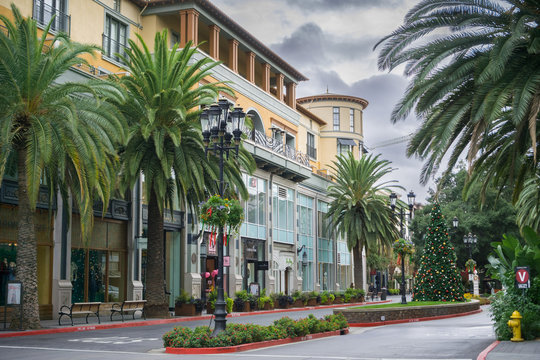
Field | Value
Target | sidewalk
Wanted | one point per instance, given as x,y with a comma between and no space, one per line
507,350
51,326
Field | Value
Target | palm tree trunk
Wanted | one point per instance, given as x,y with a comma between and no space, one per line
358,267
26,251
155,277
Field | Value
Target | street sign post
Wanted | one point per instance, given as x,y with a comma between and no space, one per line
523,280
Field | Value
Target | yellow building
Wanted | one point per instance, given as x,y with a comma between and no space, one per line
292,143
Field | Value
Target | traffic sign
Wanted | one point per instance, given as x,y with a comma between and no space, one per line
522,277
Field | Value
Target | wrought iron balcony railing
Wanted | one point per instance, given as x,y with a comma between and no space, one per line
278,147
311,151
43,13
112,48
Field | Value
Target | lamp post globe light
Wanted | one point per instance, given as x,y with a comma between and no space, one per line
470,240
220,127
410,201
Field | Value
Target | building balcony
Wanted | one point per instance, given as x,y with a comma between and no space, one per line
278,158
43,13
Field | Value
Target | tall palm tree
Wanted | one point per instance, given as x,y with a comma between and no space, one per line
359,208
165,142
476,78
62,133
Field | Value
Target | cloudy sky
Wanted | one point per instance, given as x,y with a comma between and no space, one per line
331,42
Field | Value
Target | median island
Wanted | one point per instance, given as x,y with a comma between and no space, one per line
242,337
394,313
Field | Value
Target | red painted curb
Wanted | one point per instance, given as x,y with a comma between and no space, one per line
250,346
483,354
167,321
401,321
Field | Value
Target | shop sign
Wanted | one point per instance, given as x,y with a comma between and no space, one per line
522,277
261,265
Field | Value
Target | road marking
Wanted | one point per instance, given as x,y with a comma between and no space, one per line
327,357
79,350
115,340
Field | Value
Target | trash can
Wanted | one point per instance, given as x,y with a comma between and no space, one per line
383,294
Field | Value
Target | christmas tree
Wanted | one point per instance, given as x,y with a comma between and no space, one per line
438,278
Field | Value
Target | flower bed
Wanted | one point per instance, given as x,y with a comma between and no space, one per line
238,334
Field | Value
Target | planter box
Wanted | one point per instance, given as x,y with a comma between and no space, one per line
246,308
186,310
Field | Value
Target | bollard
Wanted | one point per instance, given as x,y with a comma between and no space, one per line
515,325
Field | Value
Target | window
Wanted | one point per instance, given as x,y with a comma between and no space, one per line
306,234
114,38
116,5
254,225
98,270
44,10
175,38
325,249
283,214
311,150
351,119
336,118
343,149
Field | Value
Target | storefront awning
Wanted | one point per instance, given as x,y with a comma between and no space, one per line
349,142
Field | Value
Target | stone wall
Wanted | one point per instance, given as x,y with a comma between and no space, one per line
373,315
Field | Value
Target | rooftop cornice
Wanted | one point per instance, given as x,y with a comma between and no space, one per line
333,97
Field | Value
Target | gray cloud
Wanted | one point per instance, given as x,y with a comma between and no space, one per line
310,46
340,5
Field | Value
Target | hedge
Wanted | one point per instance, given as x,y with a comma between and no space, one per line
237,334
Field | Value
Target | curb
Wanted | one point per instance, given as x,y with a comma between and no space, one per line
251,346
401,321
485,352
170,321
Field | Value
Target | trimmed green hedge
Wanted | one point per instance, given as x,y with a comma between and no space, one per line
237,334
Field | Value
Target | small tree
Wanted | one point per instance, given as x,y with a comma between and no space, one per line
438,278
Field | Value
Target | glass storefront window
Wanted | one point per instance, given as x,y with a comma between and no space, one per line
306,239
283,214
254,225
98,268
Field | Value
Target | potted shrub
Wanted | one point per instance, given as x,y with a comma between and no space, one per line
211,305
285,301
297,301
312,301
186,305
253,303
241,302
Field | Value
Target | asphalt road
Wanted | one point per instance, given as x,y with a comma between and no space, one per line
457,338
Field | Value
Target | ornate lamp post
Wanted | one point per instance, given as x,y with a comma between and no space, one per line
470,240
410,200
219,128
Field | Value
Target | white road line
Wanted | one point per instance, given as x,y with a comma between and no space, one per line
326,357
78,350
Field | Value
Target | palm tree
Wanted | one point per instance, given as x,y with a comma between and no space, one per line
59,133
165,142
475,84
359,207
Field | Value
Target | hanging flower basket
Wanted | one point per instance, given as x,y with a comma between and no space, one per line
217,212
470,265
403,247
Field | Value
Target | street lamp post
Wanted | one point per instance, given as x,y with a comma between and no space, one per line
470,240
410,200
219,127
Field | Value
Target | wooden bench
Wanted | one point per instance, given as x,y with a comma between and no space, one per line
87,309
373,295
129,306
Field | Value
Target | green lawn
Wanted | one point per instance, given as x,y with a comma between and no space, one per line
410,303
